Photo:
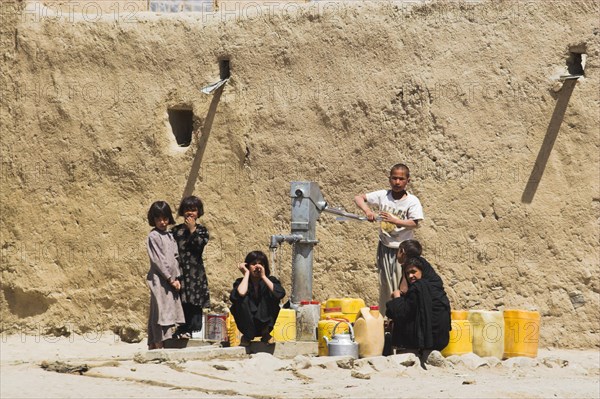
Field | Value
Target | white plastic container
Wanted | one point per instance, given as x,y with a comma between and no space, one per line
488,332
369,332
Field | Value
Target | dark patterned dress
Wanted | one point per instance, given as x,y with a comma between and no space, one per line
194,291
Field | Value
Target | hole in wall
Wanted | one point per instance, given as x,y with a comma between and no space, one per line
181,120
224,71
576,63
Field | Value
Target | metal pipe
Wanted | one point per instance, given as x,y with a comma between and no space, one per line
343,213
347,215
302,272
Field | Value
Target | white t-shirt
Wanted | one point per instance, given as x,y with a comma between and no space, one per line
407,208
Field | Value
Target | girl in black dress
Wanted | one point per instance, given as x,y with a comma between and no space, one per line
191,239
421,316
255,299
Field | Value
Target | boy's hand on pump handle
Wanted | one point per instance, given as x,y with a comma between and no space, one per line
370,216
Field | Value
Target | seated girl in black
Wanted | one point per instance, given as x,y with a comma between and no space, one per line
255,299
421,316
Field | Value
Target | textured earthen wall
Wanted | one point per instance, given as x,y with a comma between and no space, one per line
467,96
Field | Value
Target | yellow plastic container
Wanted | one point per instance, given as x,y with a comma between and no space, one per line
368,332
349,306
324,329
521,333
488,333
285,326
459,314
460,338
233,334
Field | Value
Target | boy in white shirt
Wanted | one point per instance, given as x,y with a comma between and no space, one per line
400,213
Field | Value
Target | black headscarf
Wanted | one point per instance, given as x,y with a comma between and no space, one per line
435,283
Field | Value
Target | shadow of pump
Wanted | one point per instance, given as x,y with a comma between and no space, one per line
551,134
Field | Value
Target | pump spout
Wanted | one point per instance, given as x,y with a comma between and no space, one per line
277,239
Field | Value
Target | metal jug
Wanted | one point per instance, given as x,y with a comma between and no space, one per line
342,344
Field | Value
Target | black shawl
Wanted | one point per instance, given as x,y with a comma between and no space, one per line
422,316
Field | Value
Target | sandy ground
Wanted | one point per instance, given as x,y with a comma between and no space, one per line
113,373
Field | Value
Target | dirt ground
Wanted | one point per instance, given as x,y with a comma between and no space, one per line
503,154
112,373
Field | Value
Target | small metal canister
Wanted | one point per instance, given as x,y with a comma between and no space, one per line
342,344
